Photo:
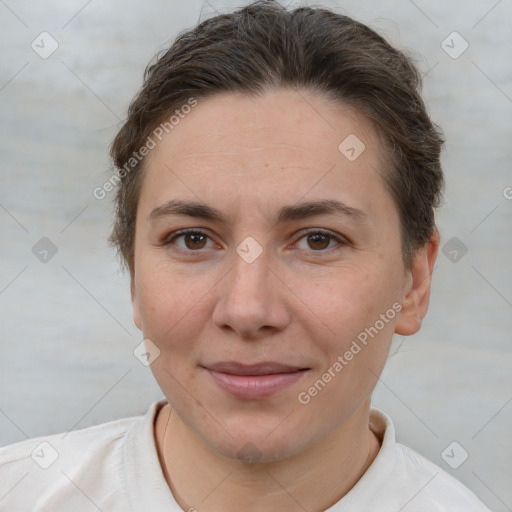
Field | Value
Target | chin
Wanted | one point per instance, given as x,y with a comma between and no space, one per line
259,440
255,451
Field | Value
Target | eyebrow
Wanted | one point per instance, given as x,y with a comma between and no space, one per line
298,211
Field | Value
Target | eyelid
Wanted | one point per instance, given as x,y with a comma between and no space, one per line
340,239
188,231
336,236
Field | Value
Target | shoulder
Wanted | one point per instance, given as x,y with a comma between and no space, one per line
440,491
43,450
401,479
63,469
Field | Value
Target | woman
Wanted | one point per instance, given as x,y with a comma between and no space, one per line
278,175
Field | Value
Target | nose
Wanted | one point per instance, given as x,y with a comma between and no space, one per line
252,300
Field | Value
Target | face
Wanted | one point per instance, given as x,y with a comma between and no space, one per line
293,251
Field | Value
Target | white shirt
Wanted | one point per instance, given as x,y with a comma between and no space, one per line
114,467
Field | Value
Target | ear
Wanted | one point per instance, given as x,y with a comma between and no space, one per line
135,302
417,288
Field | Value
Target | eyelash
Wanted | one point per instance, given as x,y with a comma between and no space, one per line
342,241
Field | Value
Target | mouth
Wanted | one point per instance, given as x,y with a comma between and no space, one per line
254,382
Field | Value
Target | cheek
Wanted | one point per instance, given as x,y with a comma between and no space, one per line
351,306
171,314
166,294
162,302
348,300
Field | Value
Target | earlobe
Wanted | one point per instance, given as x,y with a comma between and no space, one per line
135,304
417,292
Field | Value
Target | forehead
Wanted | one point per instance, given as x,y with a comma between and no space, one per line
279,147
285,120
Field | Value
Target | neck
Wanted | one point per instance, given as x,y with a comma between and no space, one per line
314,479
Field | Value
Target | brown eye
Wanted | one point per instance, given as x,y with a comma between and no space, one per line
319,241
195,240
189,240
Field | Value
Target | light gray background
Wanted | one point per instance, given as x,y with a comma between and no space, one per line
66,331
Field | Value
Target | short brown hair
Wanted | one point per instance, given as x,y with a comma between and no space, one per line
265,46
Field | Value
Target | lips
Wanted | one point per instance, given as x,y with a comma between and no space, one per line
256,381
264,368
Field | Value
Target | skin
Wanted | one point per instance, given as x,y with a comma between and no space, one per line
301,302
